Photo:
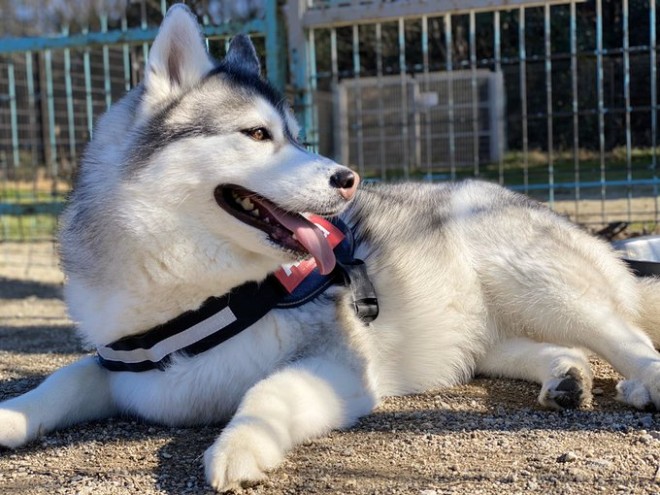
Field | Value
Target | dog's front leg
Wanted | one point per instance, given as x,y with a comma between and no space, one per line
305,400
76,393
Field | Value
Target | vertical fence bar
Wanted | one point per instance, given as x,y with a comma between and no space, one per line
654,106
449,47
427,110
50,103
574,107
601,105
298,59
68,89
548,92
334,64
358,98
313,132
13,114
381,109
626,96
88,88
334,69
404,100
144,25
32,109
13,119
522,56
475,94
275,61
126,55
497,49
107,90
205,22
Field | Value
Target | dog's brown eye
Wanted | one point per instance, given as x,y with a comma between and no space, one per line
258,134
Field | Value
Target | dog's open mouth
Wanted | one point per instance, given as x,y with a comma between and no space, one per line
291,231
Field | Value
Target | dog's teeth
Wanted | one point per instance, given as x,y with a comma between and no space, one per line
255,212
294,237
246,204
267,220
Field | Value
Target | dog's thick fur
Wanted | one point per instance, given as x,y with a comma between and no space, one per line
471,278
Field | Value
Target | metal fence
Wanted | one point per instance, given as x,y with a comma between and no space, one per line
53,88
555,98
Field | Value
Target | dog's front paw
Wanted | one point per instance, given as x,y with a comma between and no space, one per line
241,456
13,428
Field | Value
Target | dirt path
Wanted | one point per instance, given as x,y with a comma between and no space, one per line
489,437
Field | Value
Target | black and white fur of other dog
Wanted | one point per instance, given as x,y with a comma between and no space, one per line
470,277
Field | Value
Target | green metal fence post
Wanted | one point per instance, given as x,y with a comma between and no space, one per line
275,47
298,64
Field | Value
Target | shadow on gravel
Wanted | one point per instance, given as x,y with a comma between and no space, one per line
181,462
443,421
179,466
20,289
40,339
18,386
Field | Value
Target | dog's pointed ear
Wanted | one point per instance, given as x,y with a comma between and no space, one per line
242,56
178,58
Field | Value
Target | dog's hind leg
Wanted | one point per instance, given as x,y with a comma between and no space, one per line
649,318
564,373
590,320
76,393
625,346
569,290
631,352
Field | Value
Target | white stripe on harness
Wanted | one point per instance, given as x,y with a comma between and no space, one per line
174,343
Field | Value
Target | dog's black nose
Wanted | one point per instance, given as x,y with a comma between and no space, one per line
346,181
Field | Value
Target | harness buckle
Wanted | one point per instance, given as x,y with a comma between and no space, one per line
365,301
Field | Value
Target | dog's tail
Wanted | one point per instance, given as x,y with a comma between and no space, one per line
650,311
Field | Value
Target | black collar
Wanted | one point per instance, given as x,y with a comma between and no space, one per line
221,318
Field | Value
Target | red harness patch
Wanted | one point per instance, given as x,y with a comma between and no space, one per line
292,275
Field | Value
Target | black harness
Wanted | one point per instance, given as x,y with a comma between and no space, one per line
221,318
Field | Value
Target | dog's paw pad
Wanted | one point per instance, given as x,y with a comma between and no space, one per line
569,391
240,457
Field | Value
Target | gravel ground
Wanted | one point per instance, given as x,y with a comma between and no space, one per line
488,437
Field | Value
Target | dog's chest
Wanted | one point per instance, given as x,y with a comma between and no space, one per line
208,387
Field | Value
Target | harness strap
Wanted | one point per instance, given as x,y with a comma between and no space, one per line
220,318
193,332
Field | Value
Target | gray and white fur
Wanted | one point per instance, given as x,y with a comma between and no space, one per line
471,278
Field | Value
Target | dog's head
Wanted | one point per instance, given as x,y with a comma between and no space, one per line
210,149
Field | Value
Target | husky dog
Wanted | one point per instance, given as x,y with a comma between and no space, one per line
194,185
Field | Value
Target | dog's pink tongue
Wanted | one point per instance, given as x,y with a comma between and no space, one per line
310,236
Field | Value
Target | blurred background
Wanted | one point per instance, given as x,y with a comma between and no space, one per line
557,99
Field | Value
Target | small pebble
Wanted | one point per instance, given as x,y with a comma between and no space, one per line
567,457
